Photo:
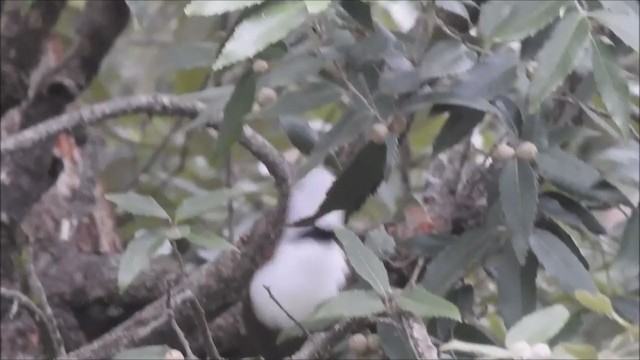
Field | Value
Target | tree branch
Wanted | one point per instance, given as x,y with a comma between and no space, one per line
219,283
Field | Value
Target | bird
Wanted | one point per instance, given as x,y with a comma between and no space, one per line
307,268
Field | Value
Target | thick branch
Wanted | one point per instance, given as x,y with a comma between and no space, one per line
217,284
25,172
21,43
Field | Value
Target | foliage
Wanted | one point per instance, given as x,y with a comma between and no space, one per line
556,74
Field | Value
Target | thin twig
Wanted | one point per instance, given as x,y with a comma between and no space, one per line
228,183
201,321
416,270
35,289
304,330
319,345
176,328
46,329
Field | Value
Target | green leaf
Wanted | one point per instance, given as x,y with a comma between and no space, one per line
447,57
558,229
560,263
489,351
356,183
317,6
382,244
624,25
394,340
516,286
210,241
399,82
234,111
459,125
428,244
494,74
539,326
629,251
580,351
300,101
203,203
558,56
456,259
573,207
611,85
598,302
143,352
359,11
349,303
566,170
173,232
421,302
364,261
301,135
515,20
291,69
218,7
137,204
519,200
136,256
262,29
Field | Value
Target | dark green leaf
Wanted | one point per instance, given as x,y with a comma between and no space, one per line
513,20
459,125
447,57
350,303
144,352
535,131
137,204
560,263
259,30
357,182
629,248
371,48
611,85
494,74
359,11
565,169
300,101
552,226
574,207
291,69
136,256
456,259
210,241
511,114
394,341
532,44
399,82
516,286
558,56
364,261
519,199
301,135
624,25
448,98
539,326
234,111
421,302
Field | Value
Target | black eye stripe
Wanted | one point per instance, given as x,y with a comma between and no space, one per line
318,233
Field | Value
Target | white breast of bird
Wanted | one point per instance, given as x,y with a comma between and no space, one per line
303,272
